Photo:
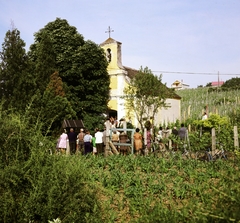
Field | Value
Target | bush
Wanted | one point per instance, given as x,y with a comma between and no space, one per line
36,186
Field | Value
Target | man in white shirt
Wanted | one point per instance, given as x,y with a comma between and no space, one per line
99,141
204,116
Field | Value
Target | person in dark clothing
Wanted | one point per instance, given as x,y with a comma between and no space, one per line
72,137
175,131
182,133
88,143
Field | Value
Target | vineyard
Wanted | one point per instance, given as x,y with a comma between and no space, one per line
195,101
121,189
36,186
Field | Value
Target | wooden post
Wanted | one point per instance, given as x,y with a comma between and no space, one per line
68,148
213,141
113,148
189,110
107,150
170,141
236,143
145,142
187,139
125,126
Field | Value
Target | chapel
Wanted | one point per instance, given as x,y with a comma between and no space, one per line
120,76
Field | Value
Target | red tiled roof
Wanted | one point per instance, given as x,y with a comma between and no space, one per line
217,83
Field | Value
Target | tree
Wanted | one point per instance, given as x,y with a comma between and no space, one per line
145,95
52,107
92,85
209,84
233,83
82,65
43,61
16,83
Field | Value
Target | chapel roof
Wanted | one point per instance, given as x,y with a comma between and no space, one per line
110,40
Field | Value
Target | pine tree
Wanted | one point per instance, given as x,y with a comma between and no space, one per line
15,82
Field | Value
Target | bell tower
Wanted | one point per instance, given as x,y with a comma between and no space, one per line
113,53
117,73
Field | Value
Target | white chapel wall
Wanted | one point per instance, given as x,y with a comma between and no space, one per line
168,115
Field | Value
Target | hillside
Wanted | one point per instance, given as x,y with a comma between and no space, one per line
194,102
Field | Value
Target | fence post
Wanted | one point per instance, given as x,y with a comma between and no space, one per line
187,139
170,141
145,142
68,148
213,141
125,126
236,143
107,150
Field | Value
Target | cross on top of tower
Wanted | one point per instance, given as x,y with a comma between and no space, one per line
109,31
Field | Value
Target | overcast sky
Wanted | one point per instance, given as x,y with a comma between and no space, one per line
188,40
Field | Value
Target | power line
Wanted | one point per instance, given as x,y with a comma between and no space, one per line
180,72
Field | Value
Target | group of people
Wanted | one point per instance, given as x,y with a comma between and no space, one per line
180,133
162,134
83,142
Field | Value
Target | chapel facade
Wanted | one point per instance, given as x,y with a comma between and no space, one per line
119,78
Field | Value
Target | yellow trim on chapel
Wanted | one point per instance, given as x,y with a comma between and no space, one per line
113,83
112,104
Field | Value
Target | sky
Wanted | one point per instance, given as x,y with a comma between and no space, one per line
193,41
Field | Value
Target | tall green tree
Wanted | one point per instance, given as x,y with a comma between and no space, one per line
231,84
51,107
145,95
16,83
43,59
82,66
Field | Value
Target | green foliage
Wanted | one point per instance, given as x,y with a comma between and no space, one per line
82,65
148,125
213,121
48,187
196,101
80,87
40,187
200,141
18,135
148,92
209,84
233,83
36,186
43,61
16,84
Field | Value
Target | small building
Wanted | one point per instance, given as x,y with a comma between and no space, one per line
76,124
177,85
217,83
